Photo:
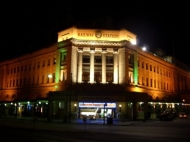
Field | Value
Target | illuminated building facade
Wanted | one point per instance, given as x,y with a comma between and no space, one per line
95,73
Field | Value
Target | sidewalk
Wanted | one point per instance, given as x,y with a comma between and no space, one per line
57,125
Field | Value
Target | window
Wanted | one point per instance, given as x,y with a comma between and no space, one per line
20,81
53,78
154,83
48,62
146,66
34,65
150,67
146,81
43,64
42,79
143,65
86,59
131,59
154,69
97,59
38,65
54,60
109,59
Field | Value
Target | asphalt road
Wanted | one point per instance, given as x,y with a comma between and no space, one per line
154,131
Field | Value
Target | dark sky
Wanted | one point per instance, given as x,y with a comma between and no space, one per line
27,26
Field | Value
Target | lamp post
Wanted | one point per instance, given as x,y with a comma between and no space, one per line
120,107
75,105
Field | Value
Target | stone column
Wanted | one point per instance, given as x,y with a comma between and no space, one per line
115,66
92,51
80,51
104,65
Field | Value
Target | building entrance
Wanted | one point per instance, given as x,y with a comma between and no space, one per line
96,110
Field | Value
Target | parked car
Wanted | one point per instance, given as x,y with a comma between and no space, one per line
167,115
182,114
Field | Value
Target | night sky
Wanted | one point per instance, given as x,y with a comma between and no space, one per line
28,26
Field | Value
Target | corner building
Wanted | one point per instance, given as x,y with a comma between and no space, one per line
94,73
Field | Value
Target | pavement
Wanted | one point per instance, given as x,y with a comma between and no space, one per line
58,125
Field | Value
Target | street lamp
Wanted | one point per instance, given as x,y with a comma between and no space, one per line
120,107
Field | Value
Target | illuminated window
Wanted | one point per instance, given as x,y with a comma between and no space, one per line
54,60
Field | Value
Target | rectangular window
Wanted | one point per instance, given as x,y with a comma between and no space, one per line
54,60
86,59
150,67
43,65
38,65
131,59
143,65
154,83
109,59
97,59
146,81
48,62
146,66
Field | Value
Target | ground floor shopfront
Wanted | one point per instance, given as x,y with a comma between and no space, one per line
67,106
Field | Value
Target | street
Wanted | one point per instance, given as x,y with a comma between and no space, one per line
176,130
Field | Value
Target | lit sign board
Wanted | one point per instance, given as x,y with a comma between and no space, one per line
97,105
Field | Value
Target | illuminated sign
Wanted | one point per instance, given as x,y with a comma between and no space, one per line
98,34
99,105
